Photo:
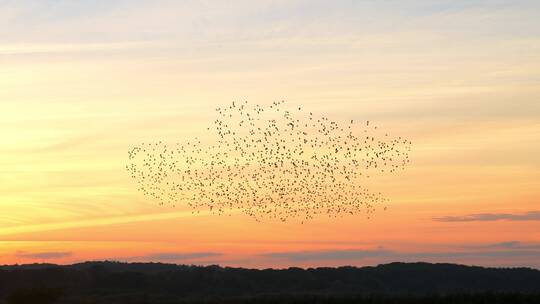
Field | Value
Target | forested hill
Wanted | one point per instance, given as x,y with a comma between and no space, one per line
110,278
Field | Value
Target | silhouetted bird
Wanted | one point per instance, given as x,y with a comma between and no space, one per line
270,164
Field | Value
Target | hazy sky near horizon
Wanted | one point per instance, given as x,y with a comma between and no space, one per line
81,82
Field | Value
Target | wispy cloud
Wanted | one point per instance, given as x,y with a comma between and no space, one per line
384,255
174,256
508,244
102,221
43,255
171,256
51,48
488,217
515,245
352,254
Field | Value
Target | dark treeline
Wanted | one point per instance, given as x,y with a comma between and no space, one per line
112,282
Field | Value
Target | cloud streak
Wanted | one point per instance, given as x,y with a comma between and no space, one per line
514,245
171,256
44,48
328,255
43,255
102,221
174,256
489,217
401,256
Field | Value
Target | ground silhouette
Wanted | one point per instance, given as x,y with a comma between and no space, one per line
114,282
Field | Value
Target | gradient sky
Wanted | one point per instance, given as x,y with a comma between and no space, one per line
81,82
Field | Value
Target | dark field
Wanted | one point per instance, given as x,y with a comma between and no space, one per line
110,282
38,297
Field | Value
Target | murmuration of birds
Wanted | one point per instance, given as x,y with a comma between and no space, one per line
271,162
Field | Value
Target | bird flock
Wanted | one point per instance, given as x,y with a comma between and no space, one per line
271,162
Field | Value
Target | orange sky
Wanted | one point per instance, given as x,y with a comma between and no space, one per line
81,84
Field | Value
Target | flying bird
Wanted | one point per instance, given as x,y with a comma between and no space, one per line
270,163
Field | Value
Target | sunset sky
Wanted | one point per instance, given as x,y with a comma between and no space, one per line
81,82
